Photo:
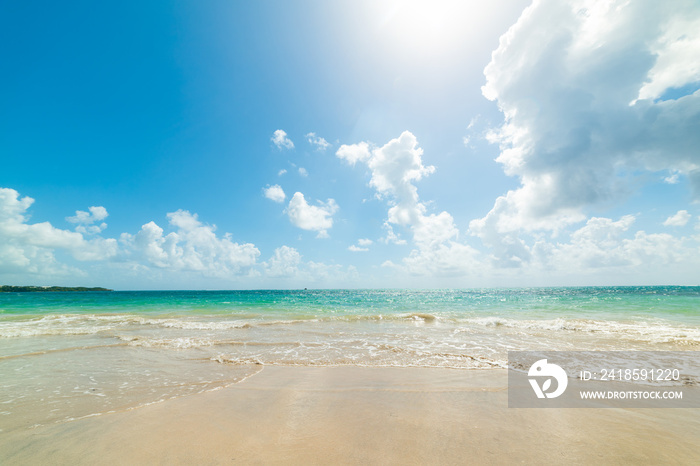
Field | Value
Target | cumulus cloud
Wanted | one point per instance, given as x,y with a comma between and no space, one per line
364,242
354,248
679,219
391,236
275,193
281,172
303,172
354,153
95,214
86,221
394,168
311,217
283,263
29,247
320,143
582,88
605,243
280,139
320,272
449,259
287,263
193,246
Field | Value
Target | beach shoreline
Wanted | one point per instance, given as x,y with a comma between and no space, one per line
360,415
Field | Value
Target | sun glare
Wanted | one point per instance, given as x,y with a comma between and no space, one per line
425,26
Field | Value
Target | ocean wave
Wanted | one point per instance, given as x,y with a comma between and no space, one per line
495,332
194,342
401,317
266,360
653,332
89,324
392,350
199,325
175,343
65,324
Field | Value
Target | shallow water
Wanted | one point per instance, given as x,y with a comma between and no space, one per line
68,355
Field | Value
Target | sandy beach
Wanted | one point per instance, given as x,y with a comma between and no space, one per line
361,415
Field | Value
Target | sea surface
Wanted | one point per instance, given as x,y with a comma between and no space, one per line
67,355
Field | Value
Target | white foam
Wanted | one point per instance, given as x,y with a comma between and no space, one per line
654,332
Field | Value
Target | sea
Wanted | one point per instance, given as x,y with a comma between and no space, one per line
70,355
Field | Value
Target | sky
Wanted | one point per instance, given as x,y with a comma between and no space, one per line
349,144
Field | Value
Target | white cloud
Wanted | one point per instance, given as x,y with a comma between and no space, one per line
676,51
30,247
284,262
281,140
394,168
333,274
303,172
564,76
679,219
85,220
354,153
603,242
309,217
672,179
434,229
396,165
192,246
95,214
449,259
363,243
320,143
439,253
281,172
275,193
391,236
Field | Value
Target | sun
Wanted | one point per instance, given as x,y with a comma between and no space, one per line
425,25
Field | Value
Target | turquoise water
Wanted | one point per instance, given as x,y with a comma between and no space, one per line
680,303
484,322
68,355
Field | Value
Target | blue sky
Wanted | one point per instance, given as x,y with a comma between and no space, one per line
276,144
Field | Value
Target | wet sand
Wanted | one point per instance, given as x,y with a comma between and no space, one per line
361,415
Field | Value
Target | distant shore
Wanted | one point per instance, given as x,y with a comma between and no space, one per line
32,289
